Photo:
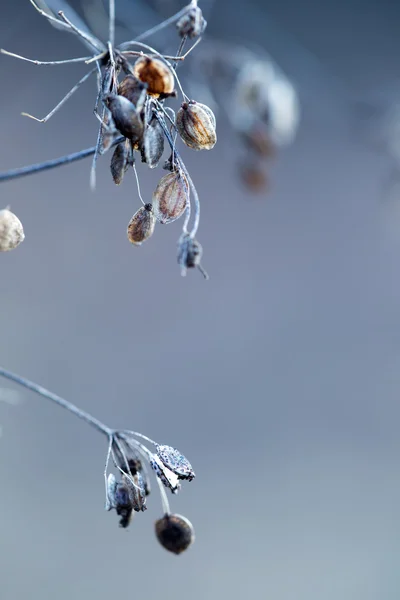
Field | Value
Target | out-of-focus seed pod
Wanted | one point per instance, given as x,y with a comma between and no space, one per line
153,143
156,74
192,23
110,492
121,159
253,177
196,125
189,254
175,462
123,504
175,533
167,477
170,197
259,141
126,118
11,231
142,224
134,90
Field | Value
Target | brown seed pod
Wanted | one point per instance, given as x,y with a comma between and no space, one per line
175,533
11,231
121,159
196,125
156,74
134,90
170,197
153,143
126,118
253,177
141,226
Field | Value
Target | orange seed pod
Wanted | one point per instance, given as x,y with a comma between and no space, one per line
156,74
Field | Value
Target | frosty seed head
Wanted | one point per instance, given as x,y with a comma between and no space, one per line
142,224
175,462
170,197
11,231
175,533
156,73
196,125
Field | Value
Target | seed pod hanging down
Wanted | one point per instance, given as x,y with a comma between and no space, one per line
134,90
141,226
153,143
156,74
123,504
139,493
196,125
192,23
170,197
126,118
11,231
175,533
167,477
189,254
121,159
175,462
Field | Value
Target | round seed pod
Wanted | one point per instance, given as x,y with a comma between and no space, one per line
156,74
11,231
126,117
142,224
170,197
175,533
196,125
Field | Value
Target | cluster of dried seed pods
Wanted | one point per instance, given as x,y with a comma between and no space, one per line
128,494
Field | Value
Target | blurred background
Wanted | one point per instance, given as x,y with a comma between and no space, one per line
278,378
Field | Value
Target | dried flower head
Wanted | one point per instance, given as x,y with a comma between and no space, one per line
175,462
175,533
142,224
196,125
170,197
156,73
11,231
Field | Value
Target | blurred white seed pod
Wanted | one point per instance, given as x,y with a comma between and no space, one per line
196,125
170,197
142,224
11,231
175,533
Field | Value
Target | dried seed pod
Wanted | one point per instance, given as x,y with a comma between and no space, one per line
123,503
189,254
125,115
134,90
153,143
121,159
167,477
110,492
196,125
175,462
156,73
175,533
192,23
11,231
170,197
142,224
139,493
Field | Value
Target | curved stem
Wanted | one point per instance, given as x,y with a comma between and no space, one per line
34,387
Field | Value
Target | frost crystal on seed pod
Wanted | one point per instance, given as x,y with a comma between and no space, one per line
167,477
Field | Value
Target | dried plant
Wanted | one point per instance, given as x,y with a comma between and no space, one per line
134,81
127,491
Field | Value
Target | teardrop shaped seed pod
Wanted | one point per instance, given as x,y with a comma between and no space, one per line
175,533
153,143
167,477
156,74
11,231
170,197
175,462
196,125
142,224
134,90
126,118
121,159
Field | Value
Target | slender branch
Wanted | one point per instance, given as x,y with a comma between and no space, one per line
30,385
51,164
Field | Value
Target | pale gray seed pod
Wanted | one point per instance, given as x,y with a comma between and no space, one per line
142,224
170,197
189,254
153,143
175,462
196,123
167,477
156,73
121,159
126,117
175,533
110,492
11,231
192,23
